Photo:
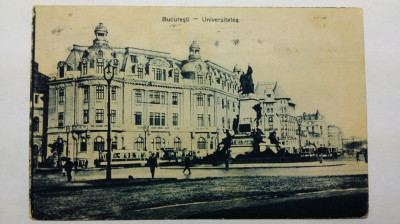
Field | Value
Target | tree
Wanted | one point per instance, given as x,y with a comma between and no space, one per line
58,146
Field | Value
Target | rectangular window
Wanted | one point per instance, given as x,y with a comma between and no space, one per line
229,123
151,97
151,118
85,116
223,104
138,118
36,99
99,115
164,77
227,104
157,119
200,100
84,68
158,74
157,97
100,67
162,96
175,119
138,96
114,93
140,72
62,72
200,121
209,100
61,95
176,76
162,119
113,116
209,120
200,79
100,92
86,93
223,122
174,98
133,59
61,119
233,106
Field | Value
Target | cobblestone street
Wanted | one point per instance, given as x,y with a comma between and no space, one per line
211,192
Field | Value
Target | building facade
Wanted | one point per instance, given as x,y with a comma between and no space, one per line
39,107
314,130
278,114
158,103
335,138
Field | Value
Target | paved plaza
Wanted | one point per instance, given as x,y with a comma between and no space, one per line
208,192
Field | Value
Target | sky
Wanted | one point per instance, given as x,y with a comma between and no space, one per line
315,54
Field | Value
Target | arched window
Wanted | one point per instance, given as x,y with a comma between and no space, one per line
114,143
83,145
177,143
35,124
201,143
139,144
99,144
158,143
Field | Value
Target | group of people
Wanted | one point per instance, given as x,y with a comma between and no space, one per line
152,163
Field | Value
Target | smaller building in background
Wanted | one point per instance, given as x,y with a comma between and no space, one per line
278,114
335,138
40,114
314,130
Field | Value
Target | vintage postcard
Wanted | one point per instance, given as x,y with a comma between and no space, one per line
197,113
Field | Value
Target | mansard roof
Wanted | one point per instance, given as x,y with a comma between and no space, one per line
264,88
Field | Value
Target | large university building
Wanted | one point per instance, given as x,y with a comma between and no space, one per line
158,103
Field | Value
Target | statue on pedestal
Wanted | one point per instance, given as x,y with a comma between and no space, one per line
246,82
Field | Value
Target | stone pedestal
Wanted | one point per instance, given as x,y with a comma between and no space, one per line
247,115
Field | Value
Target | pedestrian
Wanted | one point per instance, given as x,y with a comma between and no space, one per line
187,165
76,165
68,168
86,164
358,156
152,162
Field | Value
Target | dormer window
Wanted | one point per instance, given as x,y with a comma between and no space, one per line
140,72
100,54
100,67
176,75
61,69
62,72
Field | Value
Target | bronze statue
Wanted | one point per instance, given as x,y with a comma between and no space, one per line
246,82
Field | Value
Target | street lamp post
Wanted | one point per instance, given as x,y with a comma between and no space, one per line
299,129
60,147
146,129
67,129
109,72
